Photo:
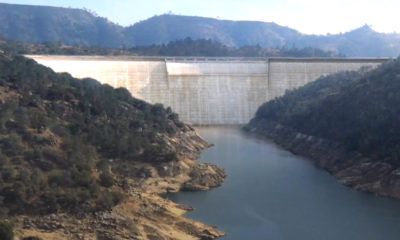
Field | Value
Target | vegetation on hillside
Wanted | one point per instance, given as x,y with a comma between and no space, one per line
360,110
203,47
360,42
39,24
57,48
185,47
62,139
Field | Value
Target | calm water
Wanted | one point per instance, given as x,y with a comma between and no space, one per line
272,194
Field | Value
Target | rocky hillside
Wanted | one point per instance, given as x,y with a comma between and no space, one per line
76,149
346,123
37,24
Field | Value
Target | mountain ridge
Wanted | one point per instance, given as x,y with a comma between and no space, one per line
34,24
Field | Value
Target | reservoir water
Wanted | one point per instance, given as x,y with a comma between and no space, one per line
271,194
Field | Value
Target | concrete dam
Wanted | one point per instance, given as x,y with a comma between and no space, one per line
205,91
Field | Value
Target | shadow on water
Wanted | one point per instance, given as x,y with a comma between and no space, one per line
272,194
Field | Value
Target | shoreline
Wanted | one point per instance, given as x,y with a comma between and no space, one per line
144,214
351,169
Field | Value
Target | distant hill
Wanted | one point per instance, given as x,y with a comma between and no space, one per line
35,24
75,26
361,42
166,28
185,47
207,47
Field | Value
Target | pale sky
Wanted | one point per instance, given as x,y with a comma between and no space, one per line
307,16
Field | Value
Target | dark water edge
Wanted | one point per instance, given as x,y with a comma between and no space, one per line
272,194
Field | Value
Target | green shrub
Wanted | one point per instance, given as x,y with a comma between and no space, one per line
82,177
106,179
6,230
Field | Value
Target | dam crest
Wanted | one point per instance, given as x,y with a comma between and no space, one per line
205,90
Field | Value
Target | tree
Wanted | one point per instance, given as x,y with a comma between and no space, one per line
106,179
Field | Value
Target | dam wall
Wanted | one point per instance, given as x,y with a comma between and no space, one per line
204,91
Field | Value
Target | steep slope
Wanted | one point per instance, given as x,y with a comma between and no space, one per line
346,123
75,149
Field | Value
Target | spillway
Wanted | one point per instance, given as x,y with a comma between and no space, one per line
205,91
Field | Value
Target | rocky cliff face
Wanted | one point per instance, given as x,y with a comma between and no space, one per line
350,168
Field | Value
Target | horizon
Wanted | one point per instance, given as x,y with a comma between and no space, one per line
120,13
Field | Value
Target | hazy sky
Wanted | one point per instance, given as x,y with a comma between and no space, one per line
307,16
